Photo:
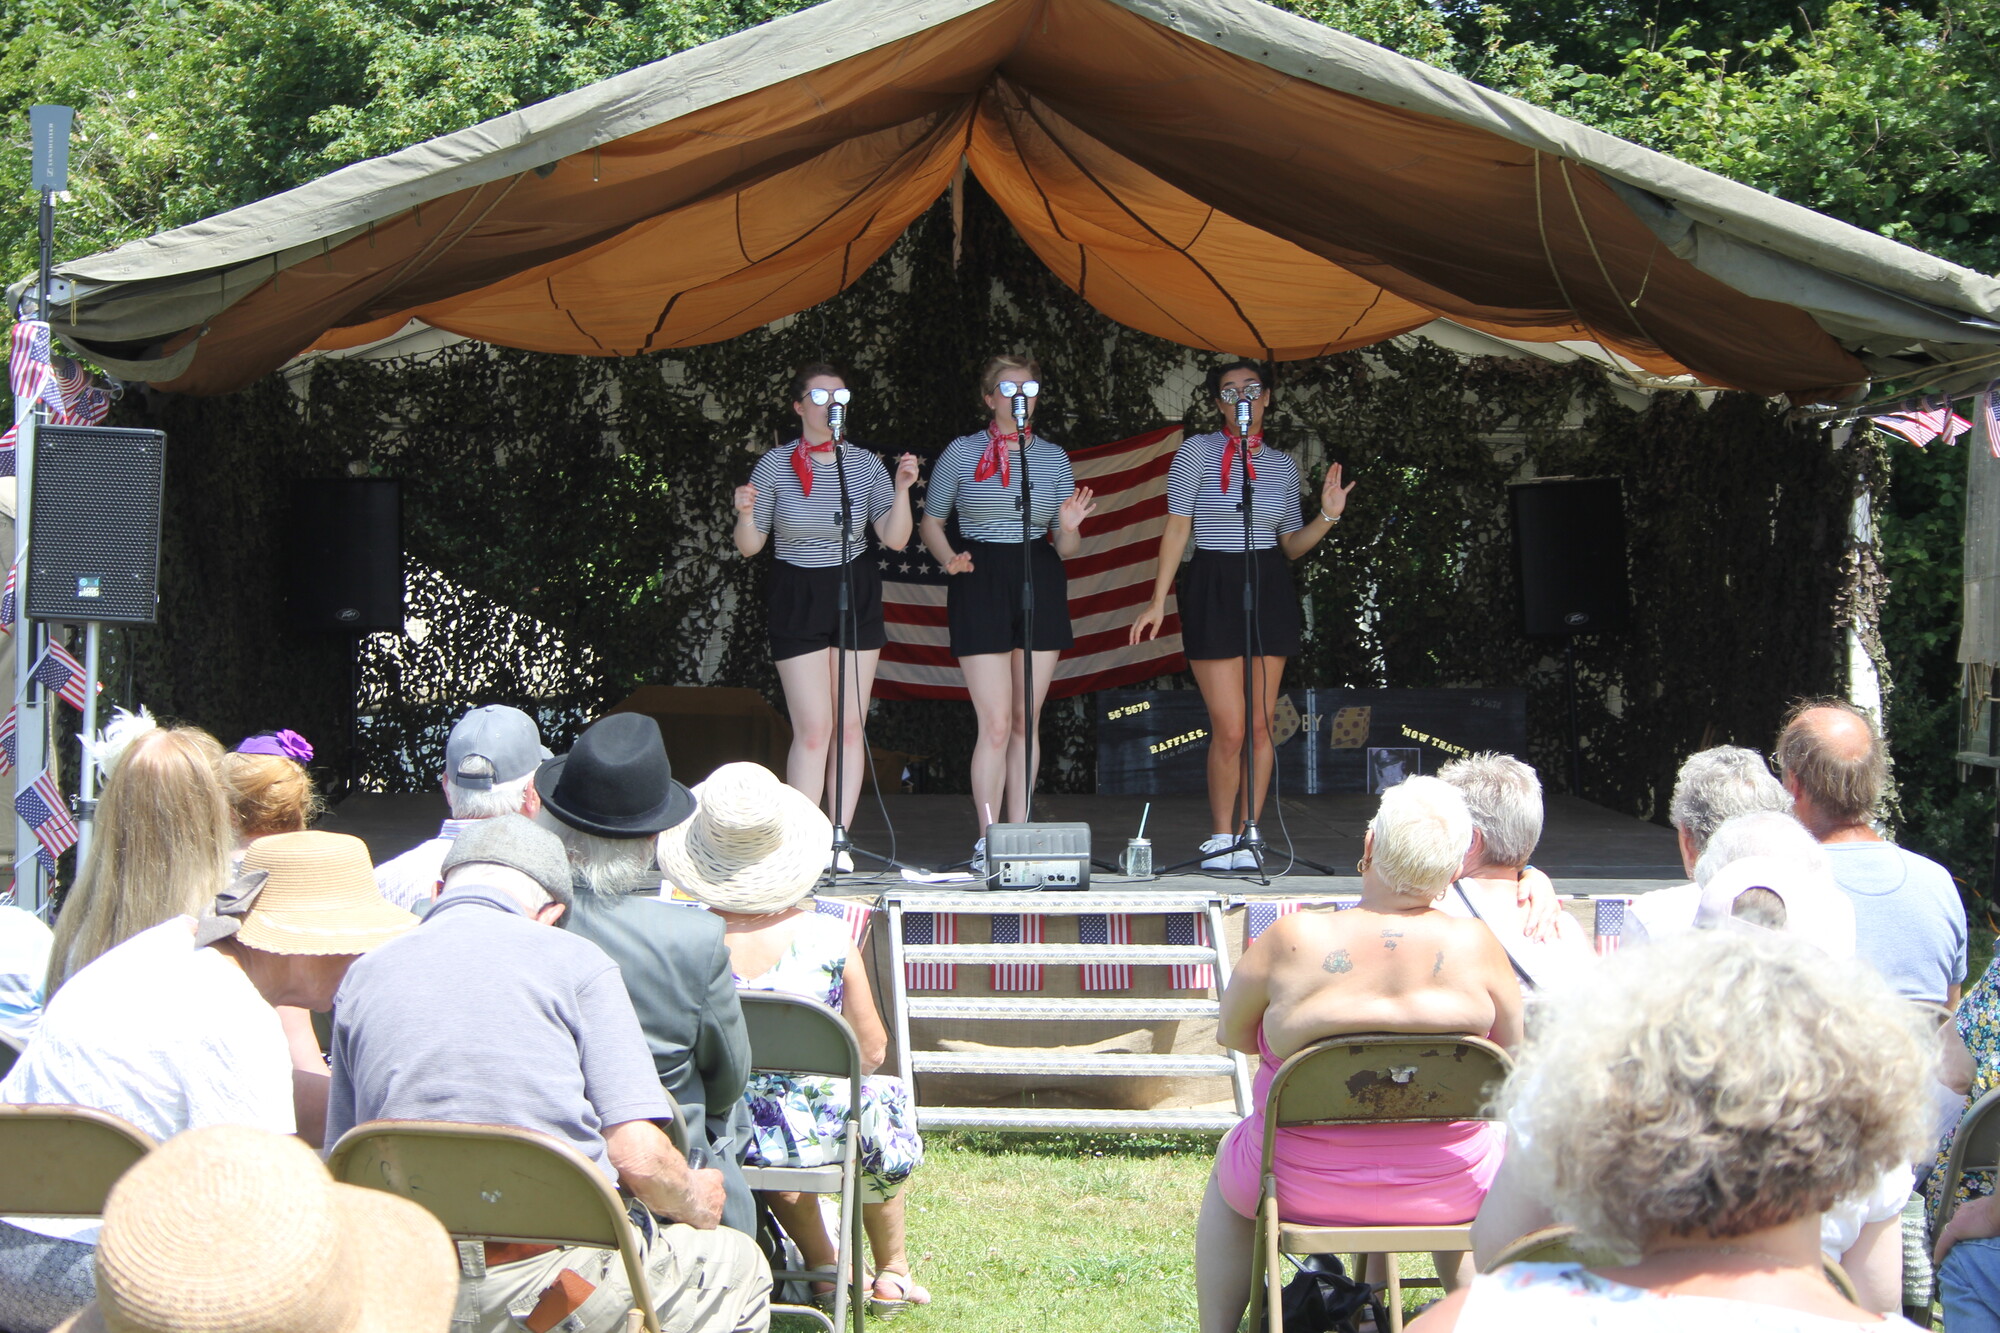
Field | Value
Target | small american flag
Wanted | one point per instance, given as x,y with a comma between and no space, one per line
1099,928
1012,928
1925,422
1263,913
930,928
47,814
74,400
1609,922
62,673
1988,404
8,601
1186,930
7,756
856,915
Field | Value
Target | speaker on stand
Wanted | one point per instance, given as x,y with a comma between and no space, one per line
346,574
1570,557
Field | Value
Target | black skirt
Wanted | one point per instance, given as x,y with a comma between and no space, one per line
1211,598
805,608
984,606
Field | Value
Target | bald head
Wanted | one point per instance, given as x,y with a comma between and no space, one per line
1834,765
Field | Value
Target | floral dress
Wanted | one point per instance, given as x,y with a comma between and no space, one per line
798,1119
1979,1024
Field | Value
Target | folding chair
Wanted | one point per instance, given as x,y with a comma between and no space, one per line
1975,1147
793,1035
499,1183
1366,1079
1556,1244
63,1160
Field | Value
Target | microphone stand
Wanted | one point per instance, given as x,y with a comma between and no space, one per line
1027,624
836,417
1251,839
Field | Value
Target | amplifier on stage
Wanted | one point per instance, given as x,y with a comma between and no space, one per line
1038,856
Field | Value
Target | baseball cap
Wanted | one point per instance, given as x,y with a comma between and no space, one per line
506,738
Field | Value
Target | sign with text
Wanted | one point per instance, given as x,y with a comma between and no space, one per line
1155,742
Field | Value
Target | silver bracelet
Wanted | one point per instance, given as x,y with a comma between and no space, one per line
1329,518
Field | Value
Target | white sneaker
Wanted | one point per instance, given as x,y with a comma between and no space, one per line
1246,860
843,864
1219,843
979,858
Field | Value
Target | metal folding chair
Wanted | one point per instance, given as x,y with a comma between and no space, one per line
63,1160
499,1183
1366,1079
794,1035
1974,1147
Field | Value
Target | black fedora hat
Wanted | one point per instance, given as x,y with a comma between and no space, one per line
615,781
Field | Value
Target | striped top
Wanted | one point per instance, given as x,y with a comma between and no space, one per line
1194,490
987,510
808,527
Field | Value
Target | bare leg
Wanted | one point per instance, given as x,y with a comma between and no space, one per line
1026,729
808,682
1221,682
1454,1268
1270,674
799,1216
992,685
886,1240
860,668
1222,1240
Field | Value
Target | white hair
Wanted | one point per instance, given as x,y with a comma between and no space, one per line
1765,833
1505,799
502,798
1422,830
1715,786
604,866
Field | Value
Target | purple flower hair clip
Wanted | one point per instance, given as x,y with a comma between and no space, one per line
286,744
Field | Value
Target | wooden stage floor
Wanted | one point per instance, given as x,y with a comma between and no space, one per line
1584,849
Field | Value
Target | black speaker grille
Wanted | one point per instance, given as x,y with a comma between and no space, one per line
94,535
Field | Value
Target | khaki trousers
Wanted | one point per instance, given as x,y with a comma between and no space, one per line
703,1282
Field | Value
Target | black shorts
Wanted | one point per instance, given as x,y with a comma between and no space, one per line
1211,598
805,604
984,606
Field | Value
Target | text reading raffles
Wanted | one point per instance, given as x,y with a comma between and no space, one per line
1172,741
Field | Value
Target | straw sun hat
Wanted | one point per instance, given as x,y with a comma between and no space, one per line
227,1229
319,897
753,846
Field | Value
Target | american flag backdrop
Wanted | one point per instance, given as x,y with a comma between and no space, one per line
930,928
1107,929
1017,928
1110,579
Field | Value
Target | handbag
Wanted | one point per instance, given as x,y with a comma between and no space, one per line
1322,1298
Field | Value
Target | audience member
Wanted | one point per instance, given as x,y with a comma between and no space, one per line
268,787
237,1229
1713,787
24,967
483,1016
175,1027
753,851
1787,875
1972,1062
1504,798
606,800
1392,962
1693,1112
489,771
160,845
1908,919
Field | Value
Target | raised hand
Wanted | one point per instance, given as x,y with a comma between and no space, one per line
906,472
1149,622
1077,508
959,564
746,499
1333,495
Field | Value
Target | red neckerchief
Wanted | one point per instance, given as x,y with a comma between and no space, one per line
994,461
1229,456
803,465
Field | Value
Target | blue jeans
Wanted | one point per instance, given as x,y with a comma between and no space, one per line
1969,1285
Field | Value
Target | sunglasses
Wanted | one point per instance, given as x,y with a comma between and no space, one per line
1248,393
821,397
1019,388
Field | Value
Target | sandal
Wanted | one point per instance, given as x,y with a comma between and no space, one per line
905,1293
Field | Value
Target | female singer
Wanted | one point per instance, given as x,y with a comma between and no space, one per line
980,476
795,490
1205,474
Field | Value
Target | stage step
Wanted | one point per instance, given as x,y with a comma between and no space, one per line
1031,902
1107,954
1075,1066
998,1117
1087,1007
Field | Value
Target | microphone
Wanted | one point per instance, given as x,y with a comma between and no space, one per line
836,420
1021,416
1243,418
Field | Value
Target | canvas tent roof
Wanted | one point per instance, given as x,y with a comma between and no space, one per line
1215,172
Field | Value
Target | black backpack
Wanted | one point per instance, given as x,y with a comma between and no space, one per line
1322,1298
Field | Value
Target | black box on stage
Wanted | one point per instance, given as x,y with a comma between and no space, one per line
346,549
1569,551
1038,856
94,529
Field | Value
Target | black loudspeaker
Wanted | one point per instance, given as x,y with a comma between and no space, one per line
347,555
1569,551
94,532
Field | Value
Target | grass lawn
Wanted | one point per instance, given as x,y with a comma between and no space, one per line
1017,1233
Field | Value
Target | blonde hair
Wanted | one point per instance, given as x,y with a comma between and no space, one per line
160,848
1717,1082
268,793
997,368
1422,831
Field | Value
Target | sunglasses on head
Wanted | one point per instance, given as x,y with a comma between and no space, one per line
821,397
1019,388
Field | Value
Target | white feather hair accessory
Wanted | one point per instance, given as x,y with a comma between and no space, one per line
107,748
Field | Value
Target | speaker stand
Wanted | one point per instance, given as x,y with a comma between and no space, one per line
351,780
86,778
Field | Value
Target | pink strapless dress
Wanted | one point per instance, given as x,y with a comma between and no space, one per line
1360,1175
